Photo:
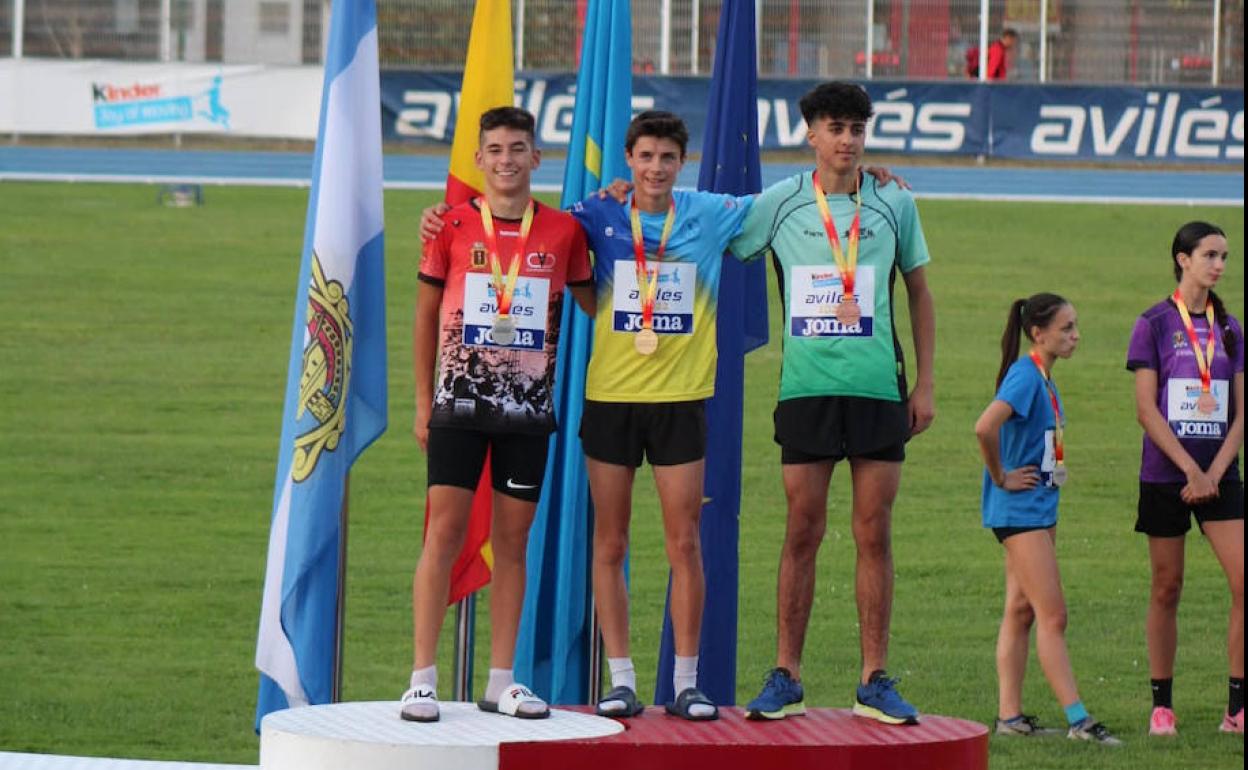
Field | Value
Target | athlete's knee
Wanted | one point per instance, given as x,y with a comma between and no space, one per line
684,548
873,539
804,535
1167,589
610,549
1019,612
1053,619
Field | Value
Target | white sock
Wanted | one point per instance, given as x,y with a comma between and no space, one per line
684,676
685,673
499,679
622,673
427,677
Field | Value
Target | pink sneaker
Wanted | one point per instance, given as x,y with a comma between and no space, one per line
1233,723
1162,722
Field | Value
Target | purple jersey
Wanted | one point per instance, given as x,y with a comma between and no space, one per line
1160,342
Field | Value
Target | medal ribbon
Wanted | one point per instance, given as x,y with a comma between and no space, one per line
1059,446
647,284
1204,359
845,266
504,290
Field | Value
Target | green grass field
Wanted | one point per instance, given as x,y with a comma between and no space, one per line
141,378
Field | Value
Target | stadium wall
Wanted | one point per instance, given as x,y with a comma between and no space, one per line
1035,122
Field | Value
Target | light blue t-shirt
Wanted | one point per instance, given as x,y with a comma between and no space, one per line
1026,439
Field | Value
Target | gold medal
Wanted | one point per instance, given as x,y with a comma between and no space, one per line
847,312
1207,403
646,342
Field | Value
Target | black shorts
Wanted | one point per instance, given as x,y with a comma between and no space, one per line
671,433
820,428
1003,532
1162,512
517,460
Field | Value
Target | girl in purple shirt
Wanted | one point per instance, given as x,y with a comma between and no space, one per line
1187,353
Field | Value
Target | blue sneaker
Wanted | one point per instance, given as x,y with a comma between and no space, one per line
781,697
878,699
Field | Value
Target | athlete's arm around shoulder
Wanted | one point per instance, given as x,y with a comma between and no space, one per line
759,227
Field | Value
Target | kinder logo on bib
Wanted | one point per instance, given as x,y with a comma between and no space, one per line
816,292
528,310
673,302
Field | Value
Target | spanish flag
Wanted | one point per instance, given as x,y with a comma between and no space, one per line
489,81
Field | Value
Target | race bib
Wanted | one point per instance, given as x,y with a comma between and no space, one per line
1049,461
816,292
1186,420
528,310
673,303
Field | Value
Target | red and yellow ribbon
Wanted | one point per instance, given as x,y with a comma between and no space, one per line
1059,446
845,266
1204,359
647,282
504,290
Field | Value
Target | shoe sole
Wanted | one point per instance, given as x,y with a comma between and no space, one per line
863,710
788,710
406,718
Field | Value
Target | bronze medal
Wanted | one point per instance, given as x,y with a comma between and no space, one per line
1207,403
847,312
504,330
646,342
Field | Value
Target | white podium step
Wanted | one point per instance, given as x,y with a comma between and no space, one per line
371,736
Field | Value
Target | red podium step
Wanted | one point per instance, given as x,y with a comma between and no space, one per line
824,739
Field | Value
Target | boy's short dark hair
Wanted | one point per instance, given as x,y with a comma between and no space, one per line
659,124
836,100
1009,32
508,117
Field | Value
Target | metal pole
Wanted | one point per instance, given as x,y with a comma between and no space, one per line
341,613
870,46
1044,41
983,41
665,38
595,656
465,624
19,26
758,34
1217,42
166,30
519,35
693,37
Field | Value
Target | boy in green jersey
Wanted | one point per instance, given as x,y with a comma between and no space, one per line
838,240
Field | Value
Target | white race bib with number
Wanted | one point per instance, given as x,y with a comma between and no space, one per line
814,295
528,310
1186,420
673,302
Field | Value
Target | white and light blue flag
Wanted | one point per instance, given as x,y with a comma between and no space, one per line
336,382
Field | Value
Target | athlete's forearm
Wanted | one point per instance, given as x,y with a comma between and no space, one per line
923,329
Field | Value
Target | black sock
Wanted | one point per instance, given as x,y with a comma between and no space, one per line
1236,701
1161,692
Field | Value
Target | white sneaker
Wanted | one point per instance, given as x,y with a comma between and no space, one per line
419,704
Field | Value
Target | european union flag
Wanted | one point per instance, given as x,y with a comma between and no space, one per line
552,653
336,381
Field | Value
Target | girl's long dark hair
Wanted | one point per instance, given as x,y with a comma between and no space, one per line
1186,240
1025,314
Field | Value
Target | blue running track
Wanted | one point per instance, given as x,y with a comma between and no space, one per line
428,172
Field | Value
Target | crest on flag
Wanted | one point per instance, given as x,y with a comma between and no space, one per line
326,373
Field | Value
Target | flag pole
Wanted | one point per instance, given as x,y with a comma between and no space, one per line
465,627
341,614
